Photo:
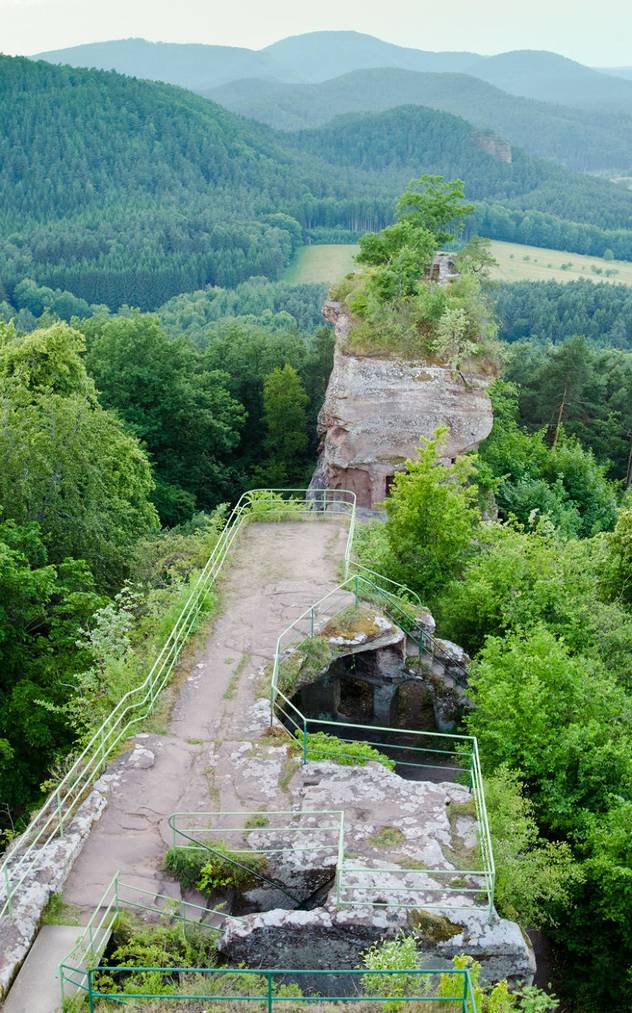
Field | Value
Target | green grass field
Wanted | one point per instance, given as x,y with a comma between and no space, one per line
535,263
329,263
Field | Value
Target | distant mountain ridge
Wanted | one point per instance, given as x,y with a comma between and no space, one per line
584,139
187,65
318,56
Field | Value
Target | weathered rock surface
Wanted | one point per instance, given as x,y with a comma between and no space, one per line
326,938
49,867
495,146
377,409
446,673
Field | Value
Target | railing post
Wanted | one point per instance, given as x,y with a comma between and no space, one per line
304,742
465,996
491,889
270,999
311,621
90,995
341,858
7,886
62,980
60,816
355,589
116,892
102,748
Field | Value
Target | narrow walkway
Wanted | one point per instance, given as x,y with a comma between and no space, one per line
276,572
36,988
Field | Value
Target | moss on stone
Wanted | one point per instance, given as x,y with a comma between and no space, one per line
387,837
433,928
351,621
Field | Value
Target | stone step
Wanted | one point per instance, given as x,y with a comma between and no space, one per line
36,988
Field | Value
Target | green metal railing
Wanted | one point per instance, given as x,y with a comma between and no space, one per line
267,990
455,757
260,825
79,971
74,969
197,831
27,854
321,833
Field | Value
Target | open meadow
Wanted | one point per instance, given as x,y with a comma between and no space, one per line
330,262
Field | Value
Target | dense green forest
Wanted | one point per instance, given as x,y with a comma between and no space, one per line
584,139
271,305
143,191
390,141
91,439
550,311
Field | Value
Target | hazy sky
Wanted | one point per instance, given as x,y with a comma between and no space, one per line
593,33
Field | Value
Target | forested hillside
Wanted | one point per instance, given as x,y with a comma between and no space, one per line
551,312
584,139
189,65
123,191
319,56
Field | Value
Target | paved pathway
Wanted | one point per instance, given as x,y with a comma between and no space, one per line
36,988
277,571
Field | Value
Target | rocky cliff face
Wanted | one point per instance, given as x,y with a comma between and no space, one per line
497,147
377,409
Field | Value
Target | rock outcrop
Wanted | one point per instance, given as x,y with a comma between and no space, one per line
377,409
326,938
497,147
423,833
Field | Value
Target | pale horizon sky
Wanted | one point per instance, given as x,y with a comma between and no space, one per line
583,31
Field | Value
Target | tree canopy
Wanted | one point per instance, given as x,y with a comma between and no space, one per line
68,464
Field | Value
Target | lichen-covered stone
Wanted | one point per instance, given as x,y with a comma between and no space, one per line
326,938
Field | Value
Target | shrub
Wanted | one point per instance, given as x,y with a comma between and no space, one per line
321,746
206,871
534,877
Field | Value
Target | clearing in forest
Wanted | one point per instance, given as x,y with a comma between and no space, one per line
516,262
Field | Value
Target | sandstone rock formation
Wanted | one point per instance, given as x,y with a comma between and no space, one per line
377,409
376,800
495,146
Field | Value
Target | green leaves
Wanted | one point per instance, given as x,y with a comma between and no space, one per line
284,415
182,411
432,203
431,518
66,463
553,718
42,611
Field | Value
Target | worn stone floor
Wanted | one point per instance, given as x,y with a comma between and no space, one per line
202,761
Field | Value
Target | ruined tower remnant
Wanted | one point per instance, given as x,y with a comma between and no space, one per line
377,409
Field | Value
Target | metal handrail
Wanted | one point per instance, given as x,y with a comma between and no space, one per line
49,822
400,589
356,584
465,1001
73,970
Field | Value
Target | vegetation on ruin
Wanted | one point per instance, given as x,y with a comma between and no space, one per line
397,309
401,953
206,872
321,746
